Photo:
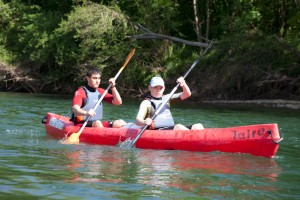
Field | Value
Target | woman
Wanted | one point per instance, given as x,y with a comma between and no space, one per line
164,119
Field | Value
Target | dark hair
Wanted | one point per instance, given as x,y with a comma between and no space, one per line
93,70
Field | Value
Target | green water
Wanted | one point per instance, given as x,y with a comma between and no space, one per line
33,166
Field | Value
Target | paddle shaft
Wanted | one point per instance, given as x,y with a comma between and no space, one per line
169,96
105,92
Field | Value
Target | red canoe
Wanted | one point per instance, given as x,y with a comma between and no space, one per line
258,140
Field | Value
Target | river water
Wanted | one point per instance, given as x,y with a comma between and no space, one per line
34,166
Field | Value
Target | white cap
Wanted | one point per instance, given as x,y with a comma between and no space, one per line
155,81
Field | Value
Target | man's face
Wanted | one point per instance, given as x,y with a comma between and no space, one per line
157,91
94,80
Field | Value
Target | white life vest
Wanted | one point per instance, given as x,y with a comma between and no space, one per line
164,117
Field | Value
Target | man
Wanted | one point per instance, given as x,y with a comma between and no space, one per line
164,119
85,98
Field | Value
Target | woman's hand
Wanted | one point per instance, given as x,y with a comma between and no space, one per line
181,81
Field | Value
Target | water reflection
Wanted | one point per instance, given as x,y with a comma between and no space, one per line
96,164
227,163
167,168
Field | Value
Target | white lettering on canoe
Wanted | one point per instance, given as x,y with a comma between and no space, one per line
56,123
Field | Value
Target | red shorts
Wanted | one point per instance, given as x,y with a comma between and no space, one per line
108,124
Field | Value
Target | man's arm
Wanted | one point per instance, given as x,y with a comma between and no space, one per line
77,102
78,111
117,100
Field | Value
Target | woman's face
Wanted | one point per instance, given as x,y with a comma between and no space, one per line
157,91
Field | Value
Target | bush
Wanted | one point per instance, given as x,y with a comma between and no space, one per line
92,34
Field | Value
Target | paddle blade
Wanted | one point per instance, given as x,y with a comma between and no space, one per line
129,57
126,144
73,139
125,63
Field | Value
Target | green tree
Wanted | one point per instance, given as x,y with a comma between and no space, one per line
27,35
92,34
60,38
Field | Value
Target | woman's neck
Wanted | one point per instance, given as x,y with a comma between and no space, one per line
159,98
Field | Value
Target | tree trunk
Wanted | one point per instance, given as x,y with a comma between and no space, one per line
282,16
197,22
207,19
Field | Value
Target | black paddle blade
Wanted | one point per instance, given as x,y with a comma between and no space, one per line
126,144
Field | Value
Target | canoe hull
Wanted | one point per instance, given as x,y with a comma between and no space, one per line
258,140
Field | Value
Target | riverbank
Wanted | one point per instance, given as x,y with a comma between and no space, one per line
276,103
13,79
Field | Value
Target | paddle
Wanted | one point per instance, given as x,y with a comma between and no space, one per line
74,138
130,143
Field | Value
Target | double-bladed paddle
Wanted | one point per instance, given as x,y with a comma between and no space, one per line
128,143
74,138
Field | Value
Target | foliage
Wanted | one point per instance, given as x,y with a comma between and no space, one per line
27,36
92,34
157,57
59,39
52,44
